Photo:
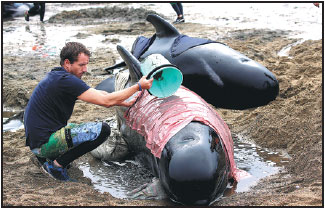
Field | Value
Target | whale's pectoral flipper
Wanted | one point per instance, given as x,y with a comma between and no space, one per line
107,85
131,62
133,65
118,65
163,28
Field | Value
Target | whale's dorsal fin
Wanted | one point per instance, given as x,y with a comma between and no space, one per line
131,62
163,28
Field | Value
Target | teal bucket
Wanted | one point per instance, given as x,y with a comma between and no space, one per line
167,77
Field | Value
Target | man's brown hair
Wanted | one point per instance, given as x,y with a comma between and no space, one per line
71,50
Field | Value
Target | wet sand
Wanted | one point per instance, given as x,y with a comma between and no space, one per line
293,122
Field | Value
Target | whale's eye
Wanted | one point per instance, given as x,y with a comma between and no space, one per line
186,139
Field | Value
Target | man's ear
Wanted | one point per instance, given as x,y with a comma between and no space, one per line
67,64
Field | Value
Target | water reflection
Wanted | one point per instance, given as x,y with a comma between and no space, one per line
12,120
257,161
40,46
117,178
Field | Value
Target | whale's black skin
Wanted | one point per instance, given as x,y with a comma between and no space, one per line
193,168
222,76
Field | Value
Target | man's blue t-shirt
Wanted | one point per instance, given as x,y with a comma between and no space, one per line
51,105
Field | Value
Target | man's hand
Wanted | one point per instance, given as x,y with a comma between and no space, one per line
131,102
145,84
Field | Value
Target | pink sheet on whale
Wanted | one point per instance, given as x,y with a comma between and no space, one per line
158,119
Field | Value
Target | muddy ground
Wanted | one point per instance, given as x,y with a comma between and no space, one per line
293,122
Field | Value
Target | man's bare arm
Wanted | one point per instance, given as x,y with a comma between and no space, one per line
115,98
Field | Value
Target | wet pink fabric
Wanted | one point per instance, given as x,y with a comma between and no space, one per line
158,119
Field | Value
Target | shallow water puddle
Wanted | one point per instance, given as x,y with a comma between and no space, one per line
12,125
257,161
285,50
119,178
41,40
10,122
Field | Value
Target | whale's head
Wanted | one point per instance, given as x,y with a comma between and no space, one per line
193,166
231,79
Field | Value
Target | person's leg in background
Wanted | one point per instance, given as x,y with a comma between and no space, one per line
179,11
38,8
180,7
42,11
32,11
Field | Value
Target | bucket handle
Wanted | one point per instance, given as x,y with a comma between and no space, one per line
157,68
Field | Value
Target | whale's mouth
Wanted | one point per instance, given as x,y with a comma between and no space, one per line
202,194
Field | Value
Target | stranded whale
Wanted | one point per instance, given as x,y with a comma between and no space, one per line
222,76
180,138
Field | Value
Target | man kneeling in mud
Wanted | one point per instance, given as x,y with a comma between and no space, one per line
55,142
